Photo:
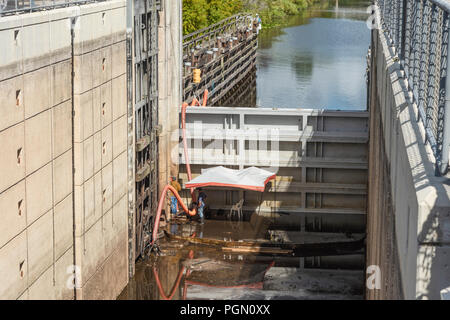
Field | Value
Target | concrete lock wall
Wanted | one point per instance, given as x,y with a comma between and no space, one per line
170,39
48,169
408,227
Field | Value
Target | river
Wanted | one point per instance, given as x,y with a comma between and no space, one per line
318,60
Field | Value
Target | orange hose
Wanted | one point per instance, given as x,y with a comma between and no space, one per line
168,187
255,285
205,98
160,288
160,205
195,102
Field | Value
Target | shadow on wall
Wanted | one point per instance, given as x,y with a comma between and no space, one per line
433,251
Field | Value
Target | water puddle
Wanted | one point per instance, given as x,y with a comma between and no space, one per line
193,265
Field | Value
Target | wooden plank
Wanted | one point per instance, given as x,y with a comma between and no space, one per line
142,143
257,250
143,172
293,249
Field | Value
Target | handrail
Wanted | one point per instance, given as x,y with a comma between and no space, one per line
216,25
8,7
213,31
419,33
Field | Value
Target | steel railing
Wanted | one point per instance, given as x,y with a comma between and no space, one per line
419,32
227,26
8,7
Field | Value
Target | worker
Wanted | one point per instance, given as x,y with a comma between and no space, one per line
173,200
201,205
259,24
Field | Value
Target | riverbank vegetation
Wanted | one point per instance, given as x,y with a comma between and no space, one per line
198,14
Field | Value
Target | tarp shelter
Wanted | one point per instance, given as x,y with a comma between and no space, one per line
249,178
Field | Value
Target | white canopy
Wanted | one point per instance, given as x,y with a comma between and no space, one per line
250,178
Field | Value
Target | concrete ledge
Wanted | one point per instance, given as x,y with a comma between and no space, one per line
421,200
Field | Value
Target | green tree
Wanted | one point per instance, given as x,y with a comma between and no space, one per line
221,9
198,14
195,15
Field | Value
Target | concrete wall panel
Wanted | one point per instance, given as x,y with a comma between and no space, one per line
120,134
14,267
36,44
89,217
39,193
63,225
38,141
12,212
11,39
98,195
43,288
12,161
120,216
40,246
83,68
120,165
63,276
61,82
90,251
98,152
107,187
36,91
119,64
36,136
11,100
119,97
62,176
105,104
62,128
107,144
88,158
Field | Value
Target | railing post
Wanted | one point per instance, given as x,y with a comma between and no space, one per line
403,34
446,129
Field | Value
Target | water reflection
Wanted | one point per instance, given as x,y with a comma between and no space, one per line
317,61
187,270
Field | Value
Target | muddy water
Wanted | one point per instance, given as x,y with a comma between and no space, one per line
187,271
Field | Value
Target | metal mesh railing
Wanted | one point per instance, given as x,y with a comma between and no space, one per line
419,31
210,33
8,7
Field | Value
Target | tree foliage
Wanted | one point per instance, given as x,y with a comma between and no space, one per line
198,14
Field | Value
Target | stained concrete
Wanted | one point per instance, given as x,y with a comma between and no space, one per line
409,207
37,195
36,245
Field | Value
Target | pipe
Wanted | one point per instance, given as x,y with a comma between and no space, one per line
169,187
160,205
195,102
205,98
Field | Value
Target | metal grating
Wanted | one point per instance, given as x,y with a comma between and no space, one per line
225,53
146,22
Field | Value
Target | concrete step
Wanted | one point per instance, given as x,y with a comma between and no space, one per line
291,283
301,237
268,211
315,281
